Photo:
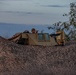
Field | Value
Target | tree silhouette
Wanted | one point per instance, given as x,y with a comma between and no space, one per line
68,27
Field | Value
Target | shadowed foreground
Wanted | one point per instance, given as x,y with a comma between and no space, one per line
37,60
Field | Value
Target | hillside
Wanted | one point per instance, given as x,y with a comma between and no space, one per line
37,60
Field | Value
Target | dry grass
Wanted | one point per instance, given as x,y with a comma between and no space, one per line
37,60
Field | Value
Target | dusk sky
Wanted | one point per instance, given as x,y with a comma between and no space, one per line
17,15
33,11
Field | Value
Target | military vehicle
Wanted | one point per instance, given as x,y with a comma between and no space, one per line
35,38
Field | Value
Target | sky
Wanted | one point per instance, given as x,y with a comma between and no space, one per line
33,11
18,15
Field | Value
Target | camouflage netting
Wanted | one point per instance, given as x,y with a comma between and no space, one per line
37,60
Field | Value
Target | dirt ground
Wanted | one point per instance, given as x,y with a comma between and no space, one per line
37,60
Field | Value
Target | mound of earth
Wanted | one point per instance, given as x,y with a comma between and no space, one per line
37,60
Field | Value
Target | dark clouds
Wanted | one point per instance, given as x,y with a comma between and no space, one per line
32,11
19,12
54,5
15,0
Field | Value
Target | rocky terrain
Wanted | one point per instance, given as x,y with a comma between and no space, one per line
37,60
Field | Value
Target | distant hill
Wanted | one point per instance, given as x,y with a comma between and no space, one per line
9,29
